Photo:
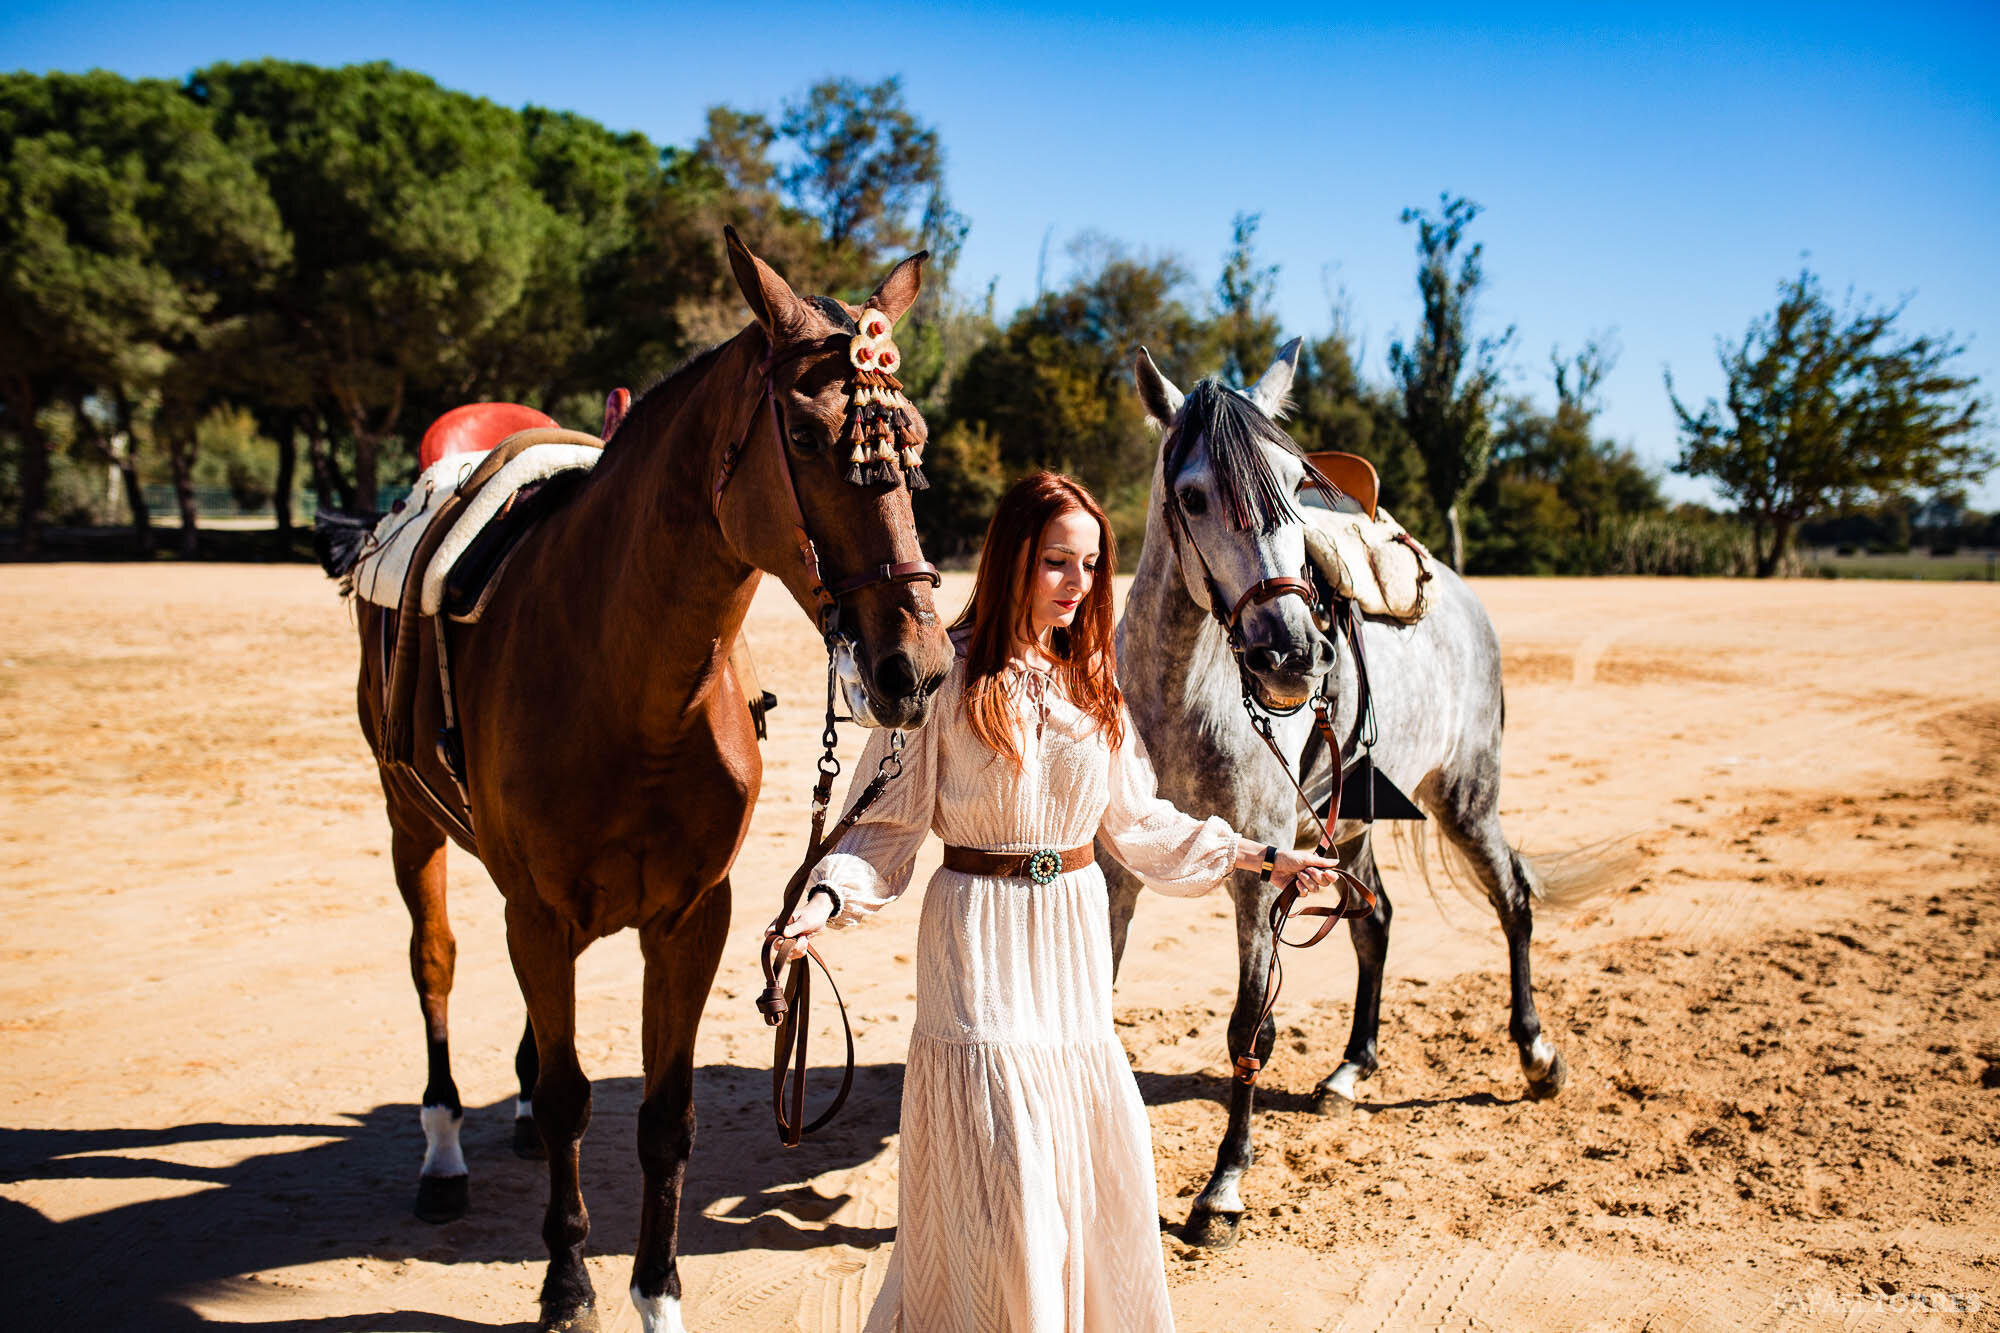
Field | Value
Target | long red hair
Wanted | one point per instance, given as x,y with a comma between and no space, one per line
1085,652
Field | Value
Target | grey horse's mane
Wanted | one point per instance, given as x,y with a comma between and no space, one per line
1251,493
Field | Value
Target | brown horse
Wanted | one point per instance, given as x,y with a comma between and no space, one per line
610,762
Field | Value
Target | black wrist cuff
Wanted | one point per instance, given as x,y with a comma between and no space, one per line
830,892
1270,864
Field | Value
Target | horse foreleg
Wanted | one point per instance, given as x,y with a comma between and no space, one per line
417,854
1217,1213
544,950
527,1139
681,958
1335,1094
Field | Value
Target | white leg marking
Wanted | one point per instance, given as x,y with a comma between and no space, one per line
1223,1199
1342,1082
524,1109
1541,1053
659,1314
441,1154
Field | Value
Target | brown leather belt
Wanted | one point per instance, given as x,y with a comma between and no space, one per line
1041,865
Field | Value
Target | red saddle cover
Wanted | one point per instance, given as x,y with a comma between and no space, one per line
475,428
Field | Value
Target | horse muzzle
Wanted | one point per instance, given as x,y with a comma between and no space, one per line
893,695
1286,677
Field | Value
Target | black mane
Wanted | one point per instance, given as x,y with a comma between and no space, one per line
1251,494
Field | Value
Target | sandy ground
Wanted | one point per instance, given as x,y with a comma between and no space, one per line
1783,1028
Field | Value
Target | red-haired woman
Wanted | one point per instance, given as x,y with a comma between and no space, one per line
1025,1194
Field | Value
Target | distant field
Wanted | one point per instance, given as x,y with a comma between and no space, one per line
1967,563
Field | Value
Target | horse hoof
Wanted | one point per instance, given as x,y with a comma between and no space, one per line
528,1140
1332,1105
1551,1082
1213,1231
441,1198
577,1321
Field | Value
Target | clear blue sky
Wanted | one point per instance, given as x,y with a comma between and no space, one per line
1654,176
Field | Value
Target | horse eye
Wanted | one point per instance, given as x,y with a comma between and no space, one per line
804,442
1194,502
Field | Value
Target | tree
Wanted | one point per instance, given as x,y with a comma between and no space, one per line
1248,329
1448,382
867,166
133,239
1825,407
416,229
1054,388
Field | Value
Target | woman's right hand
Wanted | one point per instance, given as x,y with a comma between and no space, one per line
808,919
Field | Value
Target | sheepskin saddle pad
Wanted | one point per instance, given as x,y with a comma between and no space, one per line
1382,568
527,459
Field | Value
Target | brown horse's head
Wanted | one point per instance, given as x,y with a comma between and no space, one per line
890,644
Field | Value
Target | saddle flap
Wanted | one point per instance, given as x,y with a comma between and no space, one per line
1352,475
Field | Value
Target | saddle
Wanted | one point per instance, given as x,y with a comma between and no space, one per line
1367,558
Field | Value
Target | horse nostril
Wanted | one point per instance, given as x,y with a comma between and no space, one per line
895,677
1322,653
1263,658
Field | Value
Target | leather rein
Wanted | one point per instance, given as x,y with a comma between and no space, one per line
786,1002
1285,905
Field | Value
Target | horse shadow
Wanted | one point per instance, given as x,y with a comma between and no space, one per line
1163,1089
346,1194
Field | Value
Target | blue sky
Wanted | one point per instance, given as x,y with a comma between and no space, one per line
1652,176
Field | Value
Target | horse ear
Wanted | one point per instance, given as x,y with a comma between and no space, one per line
1156,391
898,291
771,299
1273,393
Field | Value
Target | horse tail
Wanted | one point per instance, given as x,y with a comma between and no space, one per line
340,539
1565,881
1562,881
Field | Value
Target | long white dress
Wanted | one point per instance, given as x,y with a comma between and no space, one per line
1025,1198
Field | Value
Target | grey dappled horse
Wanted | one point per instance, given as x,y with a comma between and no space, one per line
1437,698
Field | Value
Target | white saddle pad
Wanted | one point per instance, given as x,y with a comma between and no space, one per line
1364,559
379,575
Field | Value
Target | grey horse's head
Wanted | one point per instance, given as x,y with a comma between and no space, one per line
1233,473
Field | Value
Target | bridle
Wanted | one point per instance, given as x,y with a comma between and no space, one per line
1285,905
826,593
786,1004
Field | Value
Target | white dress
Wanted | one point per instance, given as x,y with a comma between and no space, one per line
1025,1198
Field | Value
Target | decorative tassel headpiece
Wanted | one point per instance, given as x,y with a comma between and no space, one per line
879,417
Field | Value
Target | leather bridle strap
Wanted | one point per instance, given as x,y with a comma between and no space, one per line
1265,590
1270,590
787,1006
826,593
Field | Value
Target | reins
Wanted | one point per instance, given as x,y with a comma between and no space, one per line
786,1002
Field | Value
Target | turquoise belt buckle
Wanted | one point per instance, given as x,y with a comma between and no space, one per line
1044,865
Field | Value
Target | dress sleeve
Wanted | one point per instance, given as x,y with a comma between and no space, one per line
870,866
1171,852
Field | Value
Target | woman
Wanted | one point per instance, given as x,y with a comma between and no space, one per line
1026,1198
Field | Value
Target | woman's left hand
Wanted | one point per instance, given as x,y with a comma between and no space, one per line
1312,874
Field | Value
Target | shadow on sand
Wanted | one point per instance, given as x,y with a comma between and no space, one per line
347,1195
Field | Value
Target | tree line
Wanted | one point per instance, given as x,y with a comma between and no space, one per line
275,275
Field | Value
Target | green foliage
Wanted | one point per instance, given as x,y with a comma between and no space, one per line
1554,492
1247,328
1448,381
1054,388
1689,541
1825,407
